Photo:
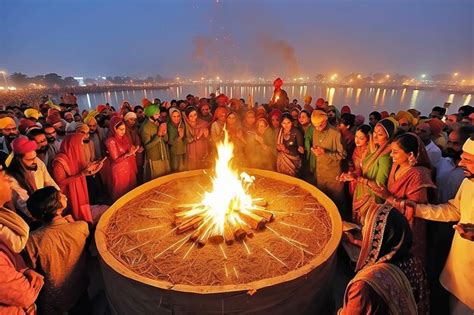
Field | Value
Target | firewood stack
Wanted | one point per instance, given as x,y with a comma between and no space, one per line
204,230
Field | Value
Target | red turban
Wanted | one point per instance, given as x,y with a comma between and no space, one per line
24,125
278,83
436,126
101,107
345,109
319,102
146,102
275,112
384,114
23,145
53,118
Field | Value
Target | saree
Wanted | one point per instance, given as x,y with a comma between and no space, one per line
197,146
287,163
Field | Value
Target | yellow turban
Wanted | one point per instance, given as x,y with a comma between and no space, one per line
408,116
32,112
7,121
308,99
318,117
91,116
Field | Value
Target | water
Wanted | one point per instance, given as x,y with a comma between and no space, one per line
361,100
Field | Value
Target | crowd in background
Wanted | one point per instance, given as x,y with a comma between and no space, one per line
396,178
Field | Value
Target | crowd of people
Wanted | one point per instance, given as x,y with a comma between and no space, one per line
400,182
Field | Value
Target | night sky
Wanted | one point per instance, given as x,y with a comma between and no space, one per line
238,38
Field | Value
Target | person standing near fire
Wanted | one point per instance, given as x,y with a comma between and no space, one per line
279,98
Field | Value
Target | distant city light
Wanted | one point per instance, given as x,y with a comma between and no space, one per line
423,76
456,74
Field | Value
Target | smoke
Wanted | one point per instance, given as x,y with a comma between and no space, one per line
282,53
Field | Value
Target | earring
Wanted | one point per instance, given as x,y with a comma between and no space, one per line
412,160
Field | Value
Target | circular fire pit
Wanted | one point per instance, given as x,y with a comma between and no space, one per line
282,268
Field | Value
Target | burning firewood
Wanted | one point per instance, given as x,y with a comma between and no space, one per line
256,222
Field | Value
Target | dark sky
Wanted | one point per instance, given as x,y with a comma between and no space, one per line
236,38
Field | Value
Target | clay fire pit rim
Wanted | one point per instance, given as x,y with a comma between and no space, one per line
326,253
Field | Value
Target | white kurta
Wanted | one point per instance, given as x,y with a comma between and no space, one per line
458,273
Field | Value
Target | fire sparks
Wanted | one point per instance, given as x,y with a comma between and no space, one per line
227,212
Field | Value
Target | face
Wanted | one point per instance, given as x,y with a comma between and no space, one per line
60,128
222,117
294,114
205,109
77,118
342,127
5,187
193,116
176,117
50,134
140,115
435,114
303,119
275,122
399,156
250,118
163,116
42,143
451,119
231,119
261,127
423,131
29,161
372,120
360,139
10,132
380,136
467,164
453,146
69,118
131,121
92,126
331,114
404,124
120,130
286,124
62,201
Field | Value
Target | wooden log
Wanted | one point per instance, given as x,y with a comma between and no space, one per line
254,221
248,231
264,214
216,239
260,203
228,235
188,225
239,232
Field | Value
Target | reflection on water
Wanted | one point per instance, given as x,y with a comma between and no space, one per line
366,99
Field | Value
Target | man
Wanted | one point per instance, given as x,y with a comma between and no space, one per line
374,118
29,173
423,131
96,135
452,122
406,121
9,132
221,100
32,114
42,149
438,112
154,138
205,110
458,273
51,136
329,153
307,103
438,136
140,114
279,98
54,118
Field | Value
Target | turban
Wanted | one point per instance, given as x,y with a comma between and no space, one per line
151,110
318,117
32,112
51,105
71,127
406,115
278,82
81,127
101,108
91,117
414,112
319,102
7,121
345,109
13,230
275,112
468,146
219,110
130,115
66,114
384,114
22,145
24,125
146,102
389,125
308,99
436,126
53,111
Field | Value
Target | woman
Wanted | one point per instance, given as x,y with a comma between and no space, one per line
133,135
176,140
290,147
122,159
236,136
375,169
70,170
295,113
388,280
197,139
19,285
308,165
362,138
57,249
260,148
333,115
410,179
250,118
218,124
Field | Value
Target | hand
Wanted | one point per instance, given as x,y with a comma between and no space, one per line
259,139
140,149
301,150
380,190
92,168
205,132
465,230
133,150
69,218
318,151
280,147
181,132
36,280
